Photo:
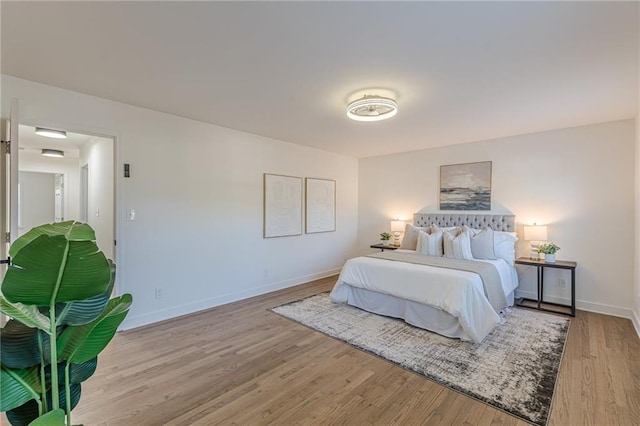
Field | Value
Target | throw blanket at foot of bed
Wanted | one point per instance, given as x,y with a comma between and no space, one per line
488,273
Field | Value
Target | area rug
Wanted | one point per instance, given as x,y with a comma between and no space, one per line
513,369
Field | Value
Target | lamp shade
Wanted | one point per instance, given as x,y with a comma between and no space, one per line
535,233
397,225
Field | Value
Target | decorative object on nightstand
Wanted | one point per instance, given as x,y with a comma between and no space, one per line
536,234
549,250
385,237
397,227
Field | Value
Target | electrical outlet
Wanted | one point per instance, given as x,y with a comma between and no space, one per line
159,293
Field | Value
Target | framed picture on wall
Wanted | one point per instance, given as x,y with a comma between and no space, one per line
320,206
282,210
465,186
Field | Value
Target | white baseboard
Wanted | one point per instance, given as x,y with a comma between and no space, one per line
599,308
635,319
189,308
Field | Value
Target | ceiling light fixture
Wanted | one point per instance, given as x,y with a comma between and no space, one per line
372,108
53,153
50,133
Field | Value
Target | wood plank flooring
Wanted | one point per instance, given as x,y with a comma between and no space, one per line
241,364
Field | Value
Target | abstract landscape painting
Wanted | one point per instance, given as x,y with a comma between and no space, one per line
465,186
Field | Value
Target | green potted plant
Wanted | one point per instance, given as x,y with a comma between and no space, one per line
549,250
57,293
385,237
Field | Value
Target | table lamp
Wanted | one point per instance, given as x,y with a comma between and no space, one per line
535,234
397,227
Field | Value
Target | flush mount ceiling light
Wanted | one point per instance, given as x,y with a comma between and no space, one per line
50,133
53,153
372,108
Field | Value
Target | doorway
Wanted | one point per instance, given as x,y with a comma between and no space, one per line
85,182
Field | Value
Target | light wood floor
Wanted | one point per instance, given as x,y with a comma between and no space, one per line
241,364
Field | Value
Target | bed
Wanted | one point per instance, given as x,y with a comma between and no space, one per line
432,292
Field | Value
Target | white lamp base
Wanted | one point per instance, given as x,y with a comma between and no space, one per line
534,255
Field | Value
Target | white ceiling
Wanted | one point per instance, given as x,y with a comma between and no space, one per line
460,71
31,142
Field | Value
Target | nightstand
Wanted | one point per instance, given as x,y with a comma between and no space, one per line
540,304
382,247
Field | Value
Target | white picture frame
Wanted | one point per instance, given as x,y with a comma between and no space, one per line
320,209
282,206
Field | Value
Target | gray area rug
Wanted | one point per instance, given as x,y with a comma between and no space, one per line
513,369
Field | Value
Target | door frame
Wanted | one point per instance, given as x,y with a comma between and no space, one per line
118,215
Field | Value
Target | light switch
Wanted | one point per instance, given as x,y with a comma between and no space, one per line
97,211
132,215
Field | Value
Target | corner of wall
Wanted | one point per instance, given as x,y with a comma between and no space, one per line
636,286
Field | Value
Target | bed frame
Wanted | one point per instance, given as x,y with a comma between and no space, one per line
476,221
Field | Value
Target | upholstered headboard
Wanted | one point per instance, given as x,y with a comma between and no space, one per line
477,221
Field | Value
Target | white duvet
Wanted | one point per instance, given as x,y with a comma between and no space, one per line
459,293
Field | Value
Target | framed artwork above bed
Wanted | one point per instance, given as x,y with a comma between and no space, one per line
465,186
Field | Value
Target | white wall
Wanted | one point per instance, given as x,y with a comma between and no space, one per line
579,181
197,192
68,166
97,154
36,200
636,293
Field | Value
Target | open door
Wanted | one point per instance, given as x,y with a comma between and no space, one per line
8,184
8,188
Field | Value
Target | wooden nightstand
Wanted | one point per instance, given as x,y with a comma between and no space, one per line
382,247
540,303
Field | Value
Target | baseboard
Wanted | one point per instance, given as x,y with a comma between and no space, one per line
599,308
190,308
635,319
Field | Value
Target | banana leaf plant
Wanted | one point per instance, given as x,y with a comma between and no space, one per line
57,294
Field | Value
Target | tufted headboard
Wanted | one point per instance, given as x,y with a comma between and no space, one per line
497,222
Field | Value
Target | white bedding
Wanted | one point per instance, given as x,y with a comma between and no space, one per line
459,293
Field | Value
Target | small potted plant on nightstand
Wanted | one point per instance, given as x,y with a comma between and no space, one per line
385,237
549,250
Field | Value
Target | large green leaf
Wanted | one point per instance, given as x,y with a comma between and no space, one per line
28,315
28,412
78,373
78,344
18,386
24,414
52,269
73,231
52,418
19,345
85,311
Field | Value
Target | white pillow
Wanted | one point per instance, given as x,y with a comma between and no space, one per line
410,238
482,246
457,244
504,245
430,244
